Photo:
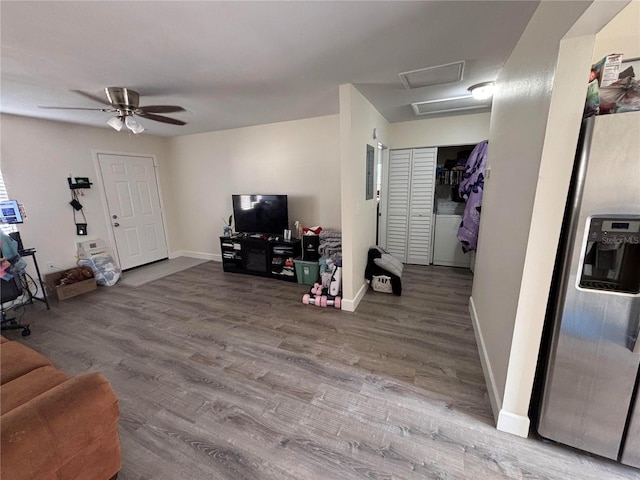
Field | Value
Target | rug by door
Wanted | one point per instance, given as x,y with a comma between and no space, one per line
148,273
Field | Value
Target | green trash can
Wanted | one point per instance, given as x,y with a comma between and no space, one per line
307,272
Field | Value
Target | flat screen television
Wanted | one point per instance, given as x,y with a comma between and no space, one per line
10,212
260,213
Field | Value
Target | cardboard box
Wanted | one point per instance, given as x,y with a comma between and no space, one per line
608,69
65,292
92,248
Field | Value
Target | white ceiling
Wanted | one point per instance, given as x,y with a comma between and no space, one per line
235,64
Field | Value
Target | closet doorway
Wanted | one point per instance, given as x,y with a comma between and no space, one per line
381,204
410,194
418,188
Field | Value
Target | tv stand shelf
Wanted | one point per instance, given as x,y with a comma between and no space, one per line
263,255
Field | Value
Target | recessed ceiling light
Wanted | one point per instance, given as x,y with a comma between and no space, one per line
482,91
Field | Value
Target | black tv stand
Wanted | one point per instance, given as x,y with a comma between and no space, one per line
262,254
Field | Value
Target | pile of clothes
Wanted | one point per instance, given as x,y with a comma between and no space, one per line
330,243
330,251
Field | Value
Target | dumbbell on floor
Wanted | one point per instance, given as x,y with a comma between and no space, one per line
309,300
330,302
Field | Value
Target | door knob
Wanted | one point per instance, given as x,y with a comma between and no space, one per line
116,224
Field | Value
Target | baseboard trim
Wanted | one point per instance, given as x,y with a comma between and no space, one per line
513,423
351,305
492,388
216,257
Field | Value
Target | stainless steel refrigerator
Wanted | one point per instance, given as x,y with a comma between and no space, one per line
590,397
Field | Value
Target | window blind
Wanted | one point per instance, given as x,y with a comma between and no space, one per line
5,196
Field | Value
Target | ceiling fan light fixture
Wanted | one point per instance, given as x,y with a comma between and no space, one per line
116,123
133,125
482,91
123,102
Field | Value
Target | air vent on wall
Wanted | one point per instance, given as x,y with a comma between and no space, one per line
426,77
447,105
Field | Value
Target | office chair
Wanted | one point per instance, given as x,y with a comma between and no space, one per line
9,291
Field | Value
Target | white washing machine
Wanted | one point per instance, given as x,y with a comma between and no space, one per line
447,250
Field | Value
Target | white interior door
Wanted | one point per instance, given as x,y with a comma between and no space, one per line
383,188
397,202
423,173
411,187
133,201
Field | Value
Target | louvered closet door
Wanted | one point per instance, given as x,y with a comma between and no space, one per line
410,204
398,202
421,194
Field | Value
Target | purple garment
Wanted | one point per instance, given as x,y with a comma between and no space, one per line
471,190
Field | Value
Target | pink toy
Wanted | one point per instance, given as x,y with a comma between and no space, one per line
316,289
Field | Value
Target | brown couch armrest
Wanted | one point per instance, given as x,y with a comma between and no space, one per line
70,431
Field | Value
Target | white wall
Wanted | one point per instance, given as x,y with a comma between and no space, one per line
551,192
518,125
436,132
298,158
567,102
38,156
621,35
358,118
534,128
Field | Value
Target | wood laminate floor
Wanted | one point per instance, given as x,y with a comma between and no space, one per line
228,376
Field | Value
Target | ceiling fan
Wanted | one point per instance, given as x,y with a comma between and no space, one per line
124,103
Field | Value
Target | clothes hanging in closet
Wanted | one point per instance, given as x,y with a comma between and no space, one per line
471,189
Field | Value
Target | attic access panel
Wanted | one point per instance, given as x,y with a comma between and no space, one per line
437,75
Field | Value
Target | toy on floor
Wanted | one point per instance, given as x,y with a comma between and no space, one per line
316,289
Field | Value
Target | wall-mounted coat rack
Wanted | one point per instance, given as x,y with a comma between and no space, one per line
75,184
79,182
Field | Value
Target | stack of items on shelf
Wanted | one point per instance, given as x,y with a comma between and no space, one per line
452,172
612,88
327,292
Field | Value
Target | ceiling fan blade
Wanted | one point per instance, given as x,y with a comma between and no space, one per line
158,118
92,97
79,108
160,109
